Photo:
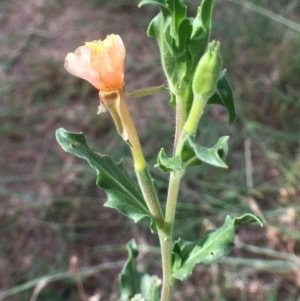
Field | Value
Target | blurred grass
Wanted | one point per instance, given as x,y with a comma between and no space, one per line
50,207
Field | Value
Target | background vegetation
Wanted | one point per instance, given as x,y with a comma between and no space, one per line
51,210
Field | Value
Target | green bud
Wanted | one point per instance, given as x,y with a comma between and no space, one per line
207,72
204,85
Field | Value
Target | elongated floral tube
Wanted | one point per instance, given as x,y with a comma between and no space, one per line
99,62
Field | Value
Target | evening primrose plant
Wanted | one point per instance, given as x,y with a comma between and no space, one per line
193,68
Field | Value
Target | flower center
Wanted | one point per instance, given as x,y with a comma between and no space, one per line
96,46
99,46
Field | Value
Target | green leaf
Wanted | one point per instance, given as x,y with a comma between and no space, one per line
173,59
159,3
135,285
181,40
184,32
130,278
213,246
201,28
123,194
194,154
224,96
178,9
166,164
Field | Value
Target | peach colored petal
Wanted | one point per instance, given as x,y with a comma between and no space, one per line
77,66
84,52
121,48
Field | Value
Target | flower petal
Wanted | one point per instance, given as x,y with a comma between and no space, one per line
78,66
84,52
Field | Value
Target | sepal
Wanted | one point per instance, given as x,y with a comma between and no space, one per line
113,102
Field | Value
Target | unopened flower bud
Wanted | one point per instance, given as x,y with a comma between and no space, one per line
207,72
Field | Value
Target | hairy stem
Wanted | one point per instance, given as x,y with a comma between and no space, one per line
166,238
180,119
196,112
166,254
150,196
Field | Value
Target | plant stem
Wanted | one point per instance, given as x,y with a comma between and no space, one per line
196,112
166,240
172,201
140,165
186,126
180,119
166,255
150,196
166,236
127,130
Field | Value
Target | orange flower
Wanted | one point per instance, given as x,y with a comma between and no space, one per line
99,62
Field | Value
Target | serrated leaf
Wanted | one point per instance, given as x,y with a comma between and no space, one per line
166,164
130,278
213,246
224,97
194,154
123,194
135,285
